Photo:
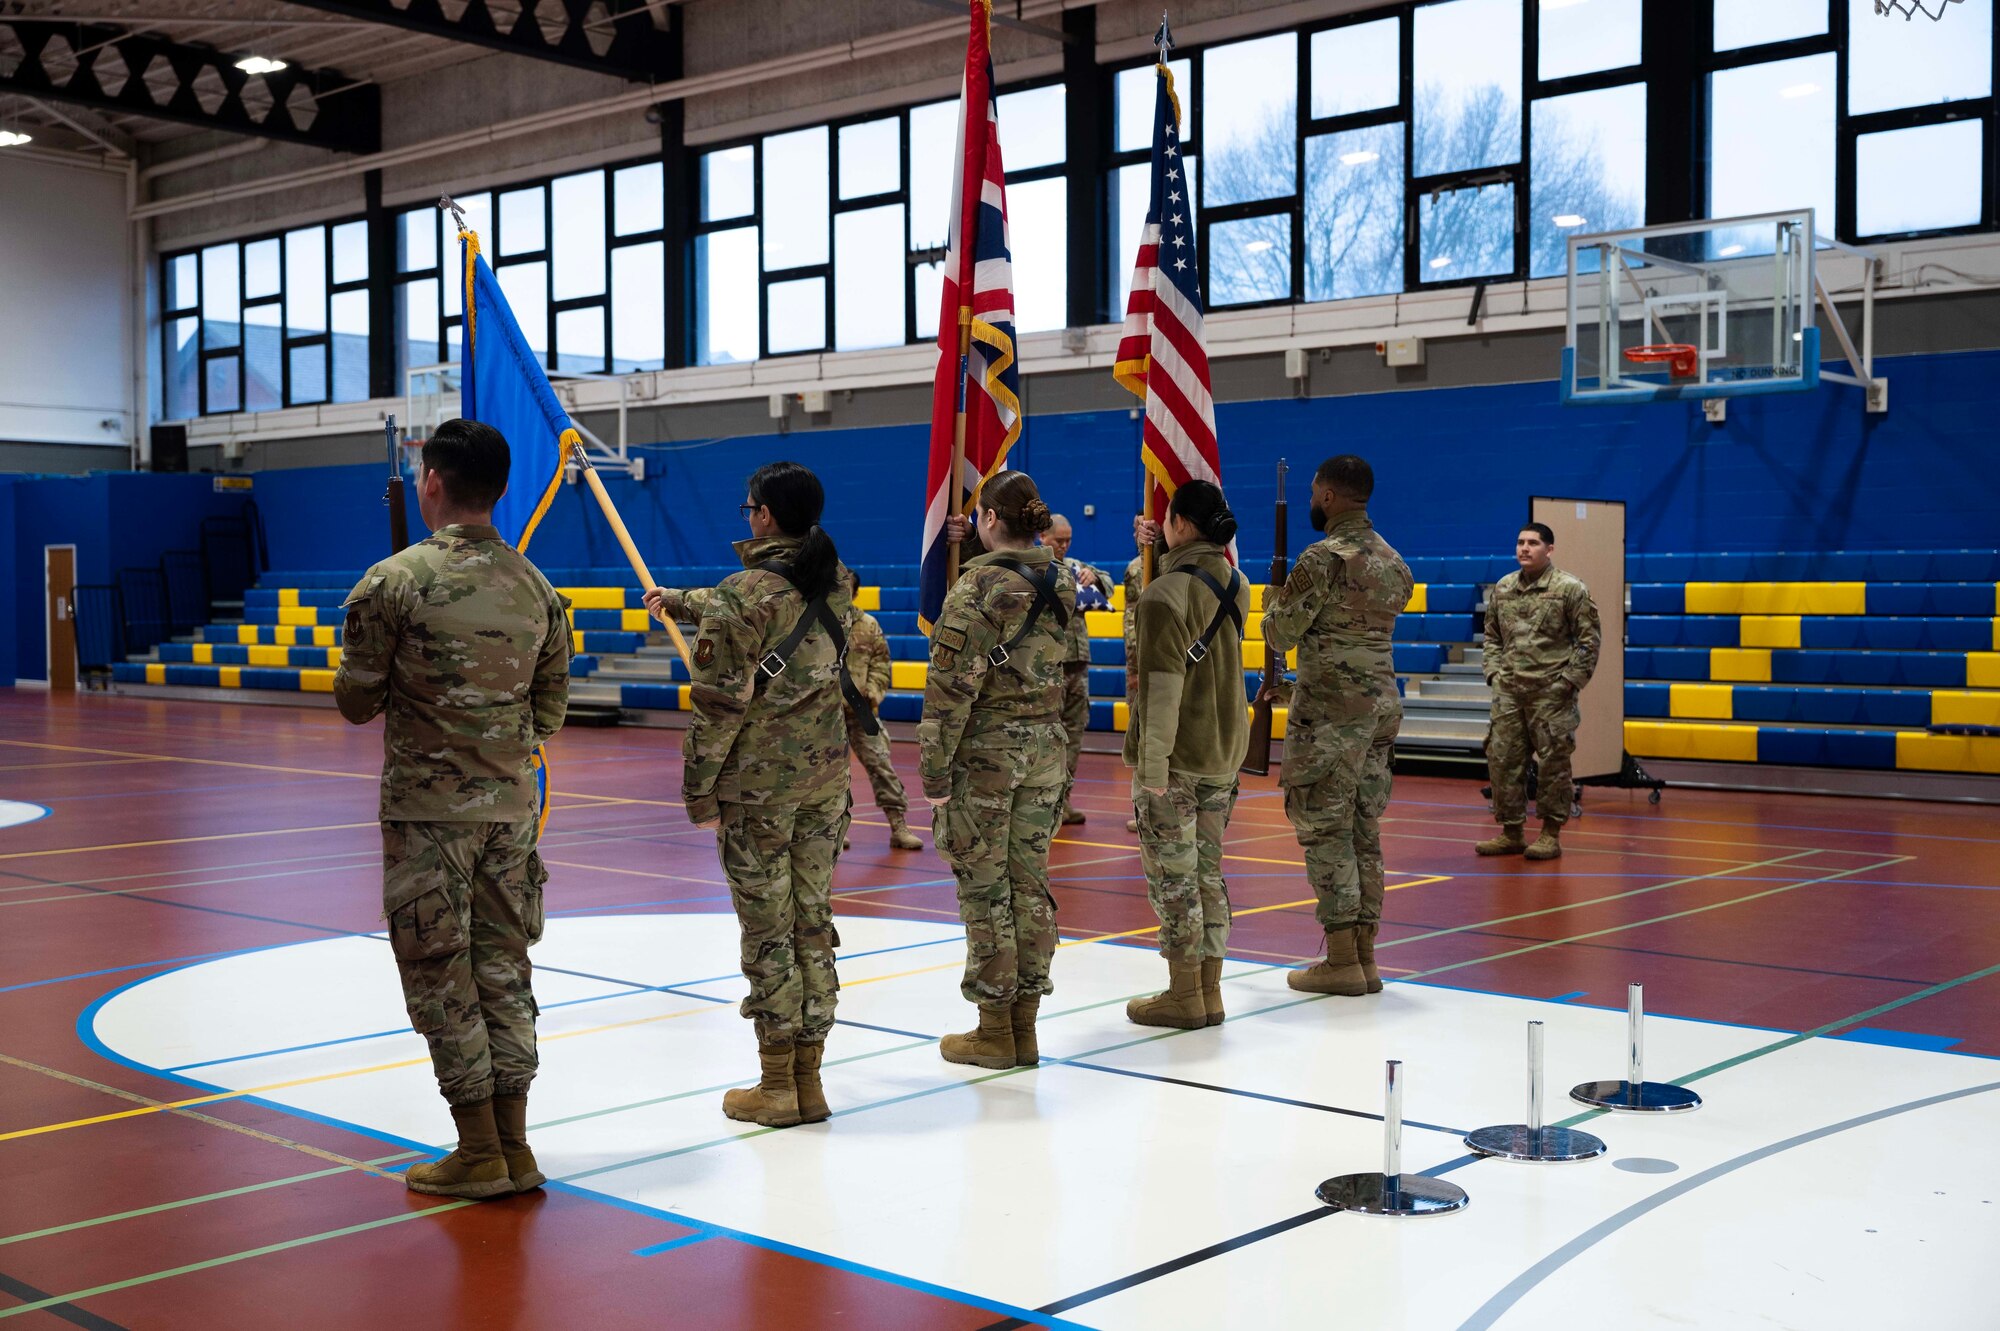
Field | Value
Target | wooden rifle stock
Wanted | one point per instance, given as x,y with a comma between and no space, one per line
1257,762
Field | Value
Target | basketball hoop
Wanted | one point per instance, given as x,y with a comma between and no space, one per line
1909,9
1681,358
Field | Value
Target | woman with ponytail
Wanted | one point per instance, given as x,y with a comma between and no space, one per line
994,764
1190,731
766,766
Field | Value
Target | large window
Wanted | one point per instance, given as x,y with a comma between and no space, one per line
1423,144
274,321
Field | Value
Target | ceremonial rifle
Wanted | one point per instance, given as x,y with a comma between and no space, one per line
399,521
1258,761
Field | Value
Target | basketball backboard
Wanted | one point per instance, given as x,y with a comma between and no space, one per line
1704,309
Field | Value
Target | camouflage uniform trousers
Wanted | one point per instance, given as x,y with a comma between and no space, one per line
995,833
1543,723
779,862
464,903
873,751
1338,817
1180,844
1075,718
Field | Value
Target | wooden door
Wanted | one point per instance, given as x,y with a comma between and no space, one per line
60,563
1590,542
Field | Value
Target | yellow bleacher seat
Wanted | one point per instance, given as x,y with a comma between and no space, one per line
1253,656
1750,664
1420,595
594,598
298,614
156,672
204,653
326,635
632,621
1769,631
575,635
270,656
1702,702
1121,713
315,681
333,653
1947,753
868,598
246,634
289,596
232,676
687,690
909,675
1104,623
1953,707
1253,627
1776,598
1982,670
1678,739
1996,623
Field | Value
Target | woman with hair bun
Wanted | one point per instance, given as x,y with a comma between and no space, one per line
994,764
766,766
1190,733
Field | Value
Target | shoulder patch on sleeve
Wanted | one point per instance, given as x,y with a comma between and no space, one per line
704,652
364,589
948,638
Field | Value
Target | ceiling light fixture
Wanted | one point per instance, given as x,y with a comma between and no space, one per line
14,139
257,64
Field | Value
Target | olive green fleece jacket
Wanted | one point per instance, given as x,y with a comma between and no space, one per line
1192,719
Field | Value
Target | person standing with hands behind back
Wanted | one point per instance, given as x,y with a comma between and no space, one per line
765,764
994,765
1192,735
1542,640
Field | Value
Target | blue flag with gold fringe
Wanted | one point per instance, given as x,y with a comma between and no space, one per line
504,386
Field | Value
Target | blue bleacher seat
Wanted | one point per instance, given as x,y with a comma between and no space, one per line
898,621
916,647
903,707
1103,651
1103,715
1107,681
1447,597
1418,658
893,598
1658,598
1648,700
268,677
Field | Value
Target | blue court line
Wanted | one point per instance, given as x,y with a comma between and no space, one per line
1574,993
686,1240
1936,1044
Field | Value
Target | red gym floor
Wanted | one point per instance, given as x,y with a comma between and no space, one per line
179,831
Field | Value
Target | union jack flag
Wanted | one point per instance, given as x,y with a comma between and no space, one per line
1162,359
976,374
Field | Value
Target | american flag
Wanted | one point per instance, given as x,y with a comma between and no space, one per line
1161,356
976,373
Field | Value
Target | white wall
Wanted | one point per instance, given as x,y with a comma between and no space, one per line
65,346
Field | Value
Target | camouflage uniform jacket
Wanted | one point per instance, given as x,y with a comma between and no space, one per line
756,740
1078,642
1195,720
1339,608
1541,633
464,646
970,702
868,656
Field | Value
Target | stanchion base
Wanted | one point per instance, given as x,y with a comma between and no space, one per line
1518,1141
1405,1194
1652,1097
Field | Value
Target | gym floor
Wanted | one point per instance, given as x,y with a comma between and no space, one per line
208,1085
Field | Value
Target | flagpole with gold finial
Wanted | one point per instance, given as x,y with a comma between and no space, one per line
1165,41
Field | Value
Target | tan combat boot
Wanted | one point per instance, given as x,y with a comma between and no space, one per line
1072,816
774,1101
1546,846
510,1116
1340,973
991,1045
1131,824
1211,989
1027,1048
1181,1005
1509,842
476,1169
1364,951
805,1076
900,835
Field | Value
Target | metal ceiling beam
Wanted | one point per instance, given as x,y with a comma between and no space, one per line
1008,21
91,125
604,36
108,68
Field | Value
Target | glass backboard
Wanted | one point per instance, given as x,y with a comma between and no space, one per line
1707,309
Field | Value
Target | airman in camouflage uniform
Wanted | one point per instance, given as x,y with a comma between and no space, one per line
1542,641
992,767
1076,661
868,662
463,647
765,763
1186,753
1339,608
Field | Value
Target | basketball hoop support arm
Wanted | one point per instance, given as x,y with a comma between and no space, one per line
1862,362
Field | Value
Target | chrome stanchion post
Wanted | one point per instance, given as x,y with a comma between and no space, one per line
1533,1140
1635,1094
1391,1192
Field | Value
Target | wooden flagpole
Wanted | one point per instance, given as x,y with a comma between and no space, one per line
639,570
